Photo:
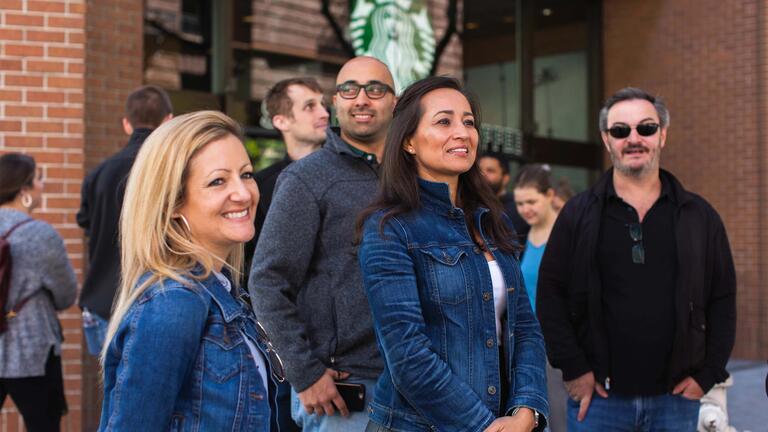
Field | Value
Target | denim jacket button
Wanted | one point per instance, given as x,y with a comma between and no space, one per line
511,289
491,390
487,296
489,343
476,250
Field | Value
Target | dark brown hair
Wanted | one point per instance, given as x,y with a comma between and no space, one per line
537,176
277,100
399,188
16,172
147,107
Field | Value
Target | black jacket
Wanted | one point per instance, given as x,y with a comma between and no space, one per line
569,290
99,215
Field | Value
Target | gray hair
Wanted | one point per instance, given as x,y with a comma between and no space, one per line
631,93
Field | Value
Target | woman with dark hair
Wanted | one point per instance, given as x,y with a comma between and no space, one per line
41,283
462,348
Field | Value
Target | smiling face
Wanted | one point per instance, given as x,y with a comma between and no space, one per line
445,142
635,155
308,119
363,120
534,207
220,196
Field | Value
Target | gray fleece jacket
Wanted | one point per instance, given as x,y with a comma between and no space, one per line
305,282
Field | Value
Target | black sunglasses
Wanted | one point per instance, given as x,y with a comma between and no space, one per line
276,363
623,131
638,252
373,89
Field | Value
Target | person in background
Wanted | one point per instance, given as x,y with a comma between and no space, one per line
463,350
297,111
495,170
563,192
534,196
183,349
101,199
41,282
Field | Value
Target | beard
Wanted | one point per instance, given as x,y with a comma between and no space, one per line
635,171
497,187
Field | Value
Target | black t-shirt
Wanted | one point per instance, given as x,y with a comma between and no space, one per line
638,292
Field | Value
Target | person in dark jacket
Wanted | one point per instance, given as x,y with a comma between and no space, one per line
494,167
100,204
637,288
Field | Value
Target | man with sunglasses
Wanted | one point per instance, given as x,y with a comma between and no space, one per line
636,292
305,281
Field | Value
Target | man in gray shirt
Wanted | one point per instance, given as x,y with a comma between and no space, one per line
305,281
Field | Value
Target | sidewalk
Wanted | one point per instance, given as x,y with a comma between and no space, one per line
747,403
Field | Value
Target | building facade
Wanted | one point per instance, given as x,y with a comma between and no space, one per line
540,69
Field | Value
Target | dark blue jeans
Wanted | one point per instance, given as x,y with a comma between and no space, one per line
664,413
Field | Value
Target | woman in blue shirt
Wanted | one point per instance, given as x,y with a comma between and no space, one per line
533,196
462,348
183,350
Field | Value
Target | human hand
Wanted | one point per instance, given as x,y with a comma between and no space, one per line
320,397
689,389
581,390
522,421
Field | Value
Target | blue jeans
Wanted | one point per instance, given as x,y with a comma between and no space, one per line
355,422
664,413
94,331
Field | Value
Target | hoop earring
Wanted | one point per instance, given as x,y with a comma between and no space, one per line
184,221
26,201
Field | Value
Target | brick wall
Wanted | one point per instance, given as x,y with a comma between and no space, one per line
704,58
41,114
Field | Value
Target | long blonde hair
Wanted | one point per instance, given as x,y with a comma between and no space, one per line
152,238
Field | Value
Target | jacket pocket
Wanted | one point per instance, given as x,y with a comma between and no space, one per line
221,349
698,335
446,274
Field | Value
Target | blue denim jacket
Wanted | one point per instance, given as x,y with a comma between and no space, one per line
431,295
179,362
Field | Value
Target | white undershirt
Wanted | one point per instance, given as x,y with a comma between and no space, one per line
499,296
258,358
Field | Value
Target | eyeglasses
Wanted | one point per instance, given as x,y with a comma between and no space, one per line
638,252
276,363
278,369
373,89
623,131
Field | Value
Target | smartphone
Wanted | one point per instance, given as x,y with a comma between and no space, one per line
353,395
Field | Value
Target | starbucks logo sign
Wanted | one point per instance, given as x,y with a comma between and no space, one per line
397,32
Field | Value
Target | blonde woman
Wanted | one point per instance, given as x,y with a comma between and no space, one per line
183,350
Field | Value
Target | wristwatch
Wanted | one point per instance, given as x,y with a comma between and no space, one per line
535,415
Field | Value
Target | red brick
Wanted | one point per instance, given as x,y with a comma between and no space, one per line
45,126
23,111
10,65
10,95
63,82
50,157
10,126
46,96
23,141
75,128
11,5
62,203
63,142
23,50
75,68
75,97
59,112
23,80
11,34
45,36
46,6
66,52
73,23
76,38
44,66
76,8
24,20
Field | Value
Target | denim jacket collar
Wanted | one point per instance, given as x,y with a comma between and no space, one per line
230,306
437,197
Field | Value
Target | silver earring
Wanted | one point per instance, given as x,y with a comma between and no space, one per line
26,200
186,224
